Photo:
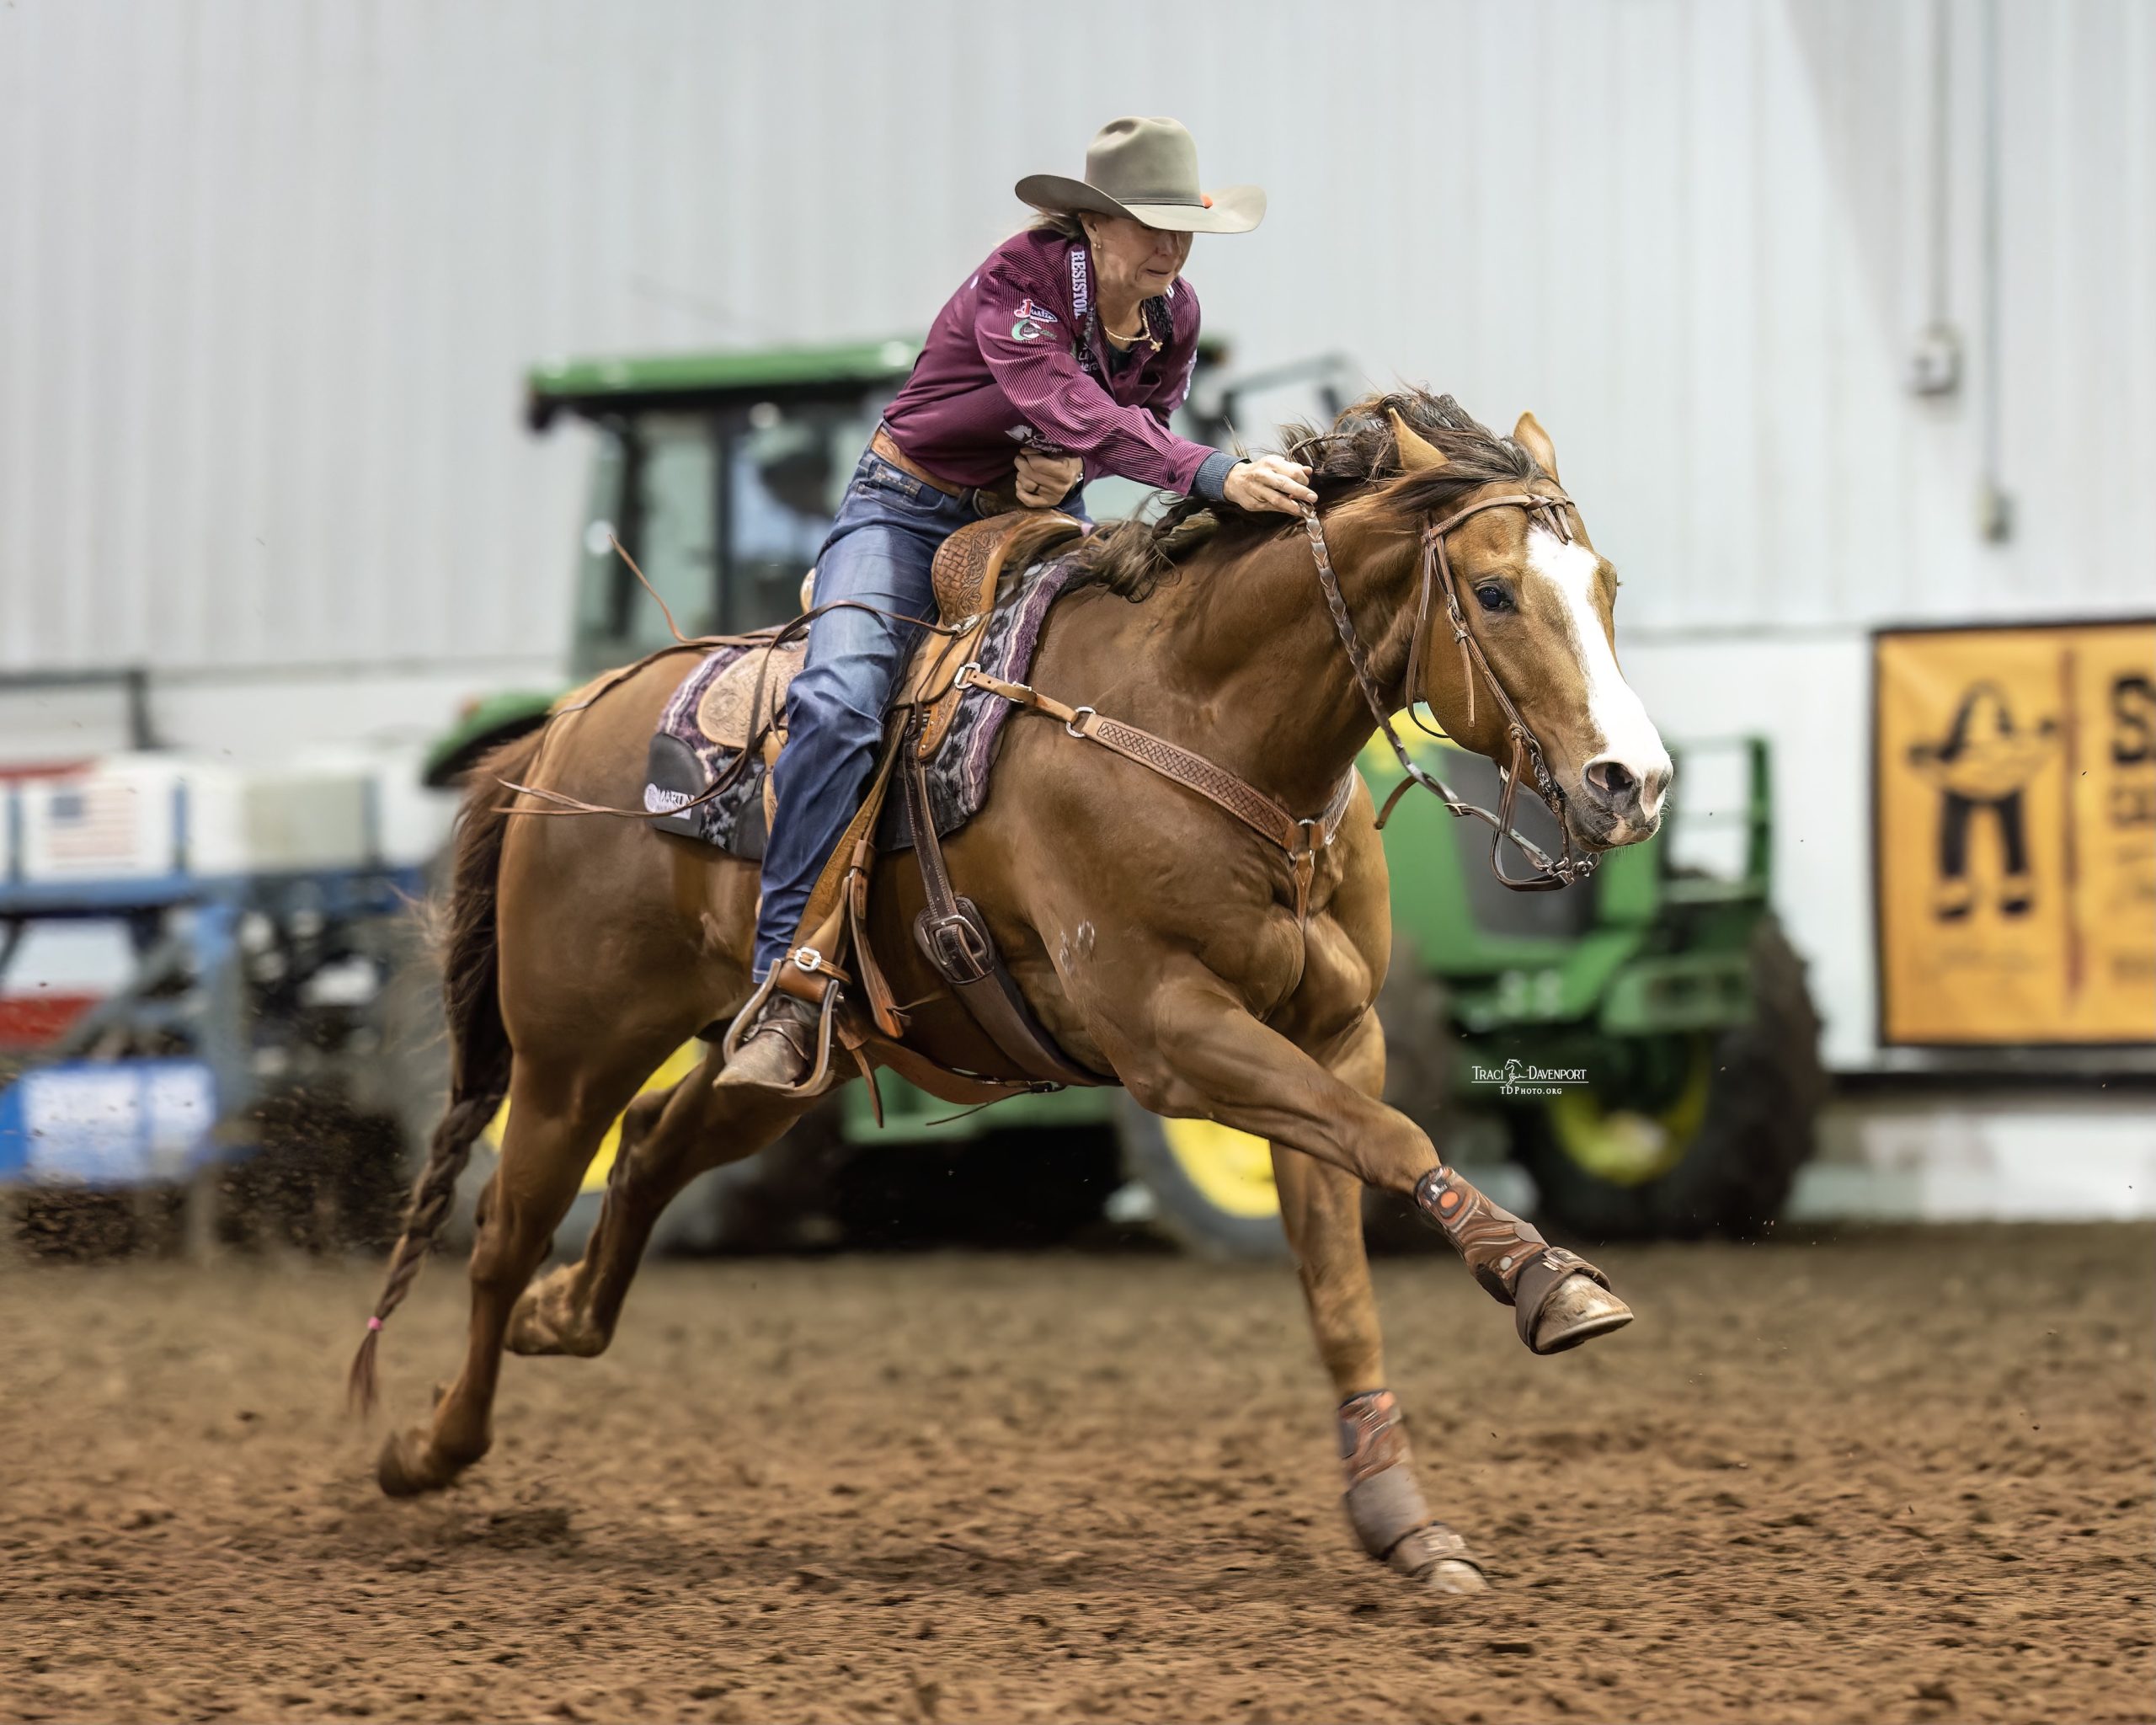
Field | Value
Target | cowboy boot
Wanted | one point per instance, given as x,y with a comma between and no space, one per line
779,1050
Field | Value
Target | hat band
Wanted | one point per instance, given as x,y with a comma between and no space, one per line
1192,200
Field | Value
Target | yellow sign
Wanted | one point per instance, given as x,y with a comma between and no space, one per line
2014,833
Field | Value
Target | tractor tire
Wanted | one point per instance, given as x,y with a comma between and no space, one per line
1743,1130
1212,1186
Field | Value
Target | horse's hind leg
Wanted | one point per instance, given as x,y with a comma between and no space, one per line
1321,1210
666,1142
558,1113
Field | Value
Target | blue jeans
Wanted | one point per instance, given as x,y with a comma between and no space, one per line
880,552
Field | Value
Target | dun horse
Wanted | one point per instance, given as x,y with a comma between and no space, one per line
1155,936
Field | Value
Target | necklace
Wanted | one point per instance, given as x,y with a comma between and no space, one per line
1123,339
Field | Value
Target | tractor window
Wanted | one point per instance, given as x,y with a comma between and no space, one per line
671,513
787,468
598,569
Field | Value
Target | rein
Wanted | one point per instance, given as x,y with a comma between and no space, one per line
1566,868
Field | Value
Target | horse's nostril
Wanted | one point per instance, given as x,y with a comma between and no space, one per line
1611,780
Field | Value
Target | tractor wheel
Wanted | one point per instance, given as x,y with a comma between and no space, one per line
1212,1186
1719,1152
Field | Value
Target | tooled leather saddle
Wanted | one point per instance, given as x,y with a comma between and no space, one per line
742,710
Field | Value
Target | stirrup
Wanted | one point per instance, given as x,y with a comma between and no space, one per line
820,1069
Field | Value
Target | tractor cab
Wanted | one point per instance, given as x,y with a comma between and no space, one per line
718,473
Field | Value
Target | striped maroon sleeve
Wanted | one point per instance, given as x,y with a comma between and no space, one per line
1030,356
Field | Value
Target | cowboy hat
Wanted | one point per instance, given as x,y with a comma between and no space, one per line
1147,169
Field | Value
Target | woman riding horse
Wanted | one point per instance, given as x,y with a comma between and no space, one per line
1059,360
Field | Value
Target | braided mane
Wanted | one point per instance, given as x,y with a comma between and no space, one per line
1134,557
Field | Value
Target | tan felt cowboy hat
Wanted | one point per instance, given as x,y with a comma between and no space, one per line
1148,169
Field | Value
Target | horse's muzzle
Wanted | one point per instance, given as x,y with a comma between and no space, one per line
1619,801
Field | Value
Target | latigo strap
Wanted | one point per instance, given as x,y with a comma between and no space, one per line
953,936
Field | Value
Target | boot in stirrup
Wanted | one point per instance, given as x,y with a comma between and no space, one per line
778,1051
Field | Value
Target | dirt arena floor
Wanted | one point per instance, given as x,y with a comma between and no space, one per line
1903,1476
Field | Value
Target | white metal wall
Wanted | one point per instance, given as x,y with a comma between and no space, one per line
270,269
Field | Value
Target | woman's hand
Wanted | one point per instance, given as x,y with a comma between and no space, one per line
1045,480
1269,482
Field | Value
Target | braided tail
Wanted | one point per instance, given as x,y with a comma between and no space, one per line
479,1047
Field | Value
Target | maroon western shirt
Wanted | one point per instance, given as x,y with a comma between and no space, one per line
1012,362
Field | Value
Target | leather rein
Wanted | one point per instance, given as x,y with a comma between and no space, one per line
1566,868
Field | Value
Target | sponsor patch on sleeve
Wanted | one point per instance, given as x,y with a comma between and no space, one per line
1028,319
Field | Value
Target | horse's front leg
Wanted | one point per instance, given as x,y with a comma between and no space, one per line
1207,1058
1321,1209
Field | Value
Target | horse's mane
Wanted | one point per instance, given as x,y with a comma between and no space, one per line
1135,557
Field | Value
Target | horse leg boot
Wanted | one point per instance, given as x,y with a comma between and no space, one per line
556,1122
1321,1209
666,1141
1211,1059
1559,1300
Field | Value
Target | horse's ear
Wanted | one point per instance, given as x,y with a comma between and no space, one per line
1530,436
1415,455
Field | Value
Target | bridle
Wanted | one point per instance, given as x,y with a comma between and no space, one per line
1566,868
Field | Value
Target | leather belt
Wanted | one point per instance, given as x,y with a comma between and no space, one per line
981,499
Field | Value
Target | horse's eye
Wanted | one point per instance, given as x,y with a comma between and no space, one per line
1492,596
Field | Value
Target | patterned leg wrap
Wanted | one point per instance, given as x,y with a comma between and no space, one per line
1382,1501
1509,1257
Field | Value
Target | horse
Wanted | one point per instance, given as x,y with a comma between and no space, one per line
1154,936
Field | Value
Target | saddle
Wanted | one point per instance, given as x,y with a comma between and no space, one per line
737,703
744,708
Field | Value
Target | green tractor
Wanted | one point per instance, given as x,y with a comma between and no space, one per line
1642,1046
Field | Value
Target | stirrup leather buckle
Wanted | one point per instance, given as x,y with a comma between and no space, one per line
954,946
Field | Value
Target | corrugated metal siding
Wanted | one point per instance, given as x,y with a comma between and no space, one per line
272,271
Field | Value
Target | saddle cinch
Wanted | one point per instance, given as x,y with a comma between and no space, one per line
831,963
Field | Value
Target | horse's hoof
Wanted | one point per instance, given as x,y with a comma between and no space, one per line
1437,1558
1452,1577
405,1467
1579,1310
545,1321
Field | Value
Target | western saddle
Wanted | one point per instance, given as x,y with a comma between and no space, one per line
744,708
